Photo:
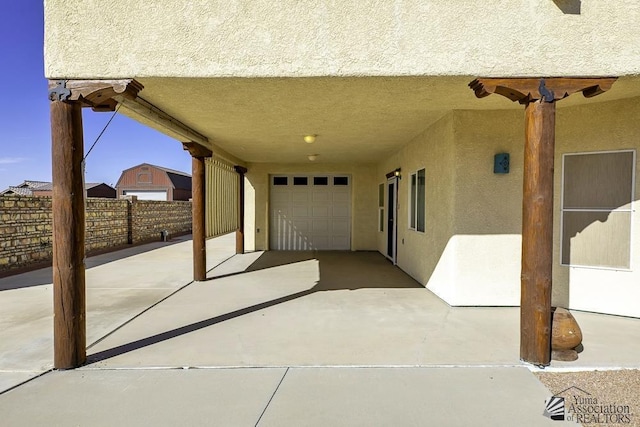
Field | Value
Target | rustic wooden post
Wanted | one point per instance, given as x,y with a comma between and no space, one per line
67,152
69,327
537,232
539,96
198,186
240,231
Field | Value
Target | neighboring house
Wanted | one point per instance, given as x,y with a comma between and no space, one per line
45,189
150,182
403,158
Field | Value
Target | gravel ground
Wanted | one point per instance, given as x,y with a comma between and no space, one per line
597,391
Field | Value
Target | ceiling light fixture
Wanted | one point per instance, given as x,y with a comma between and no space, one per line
312,157
310,139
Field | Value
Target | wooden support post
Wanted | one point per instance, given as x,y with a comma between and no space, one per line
240,231
198,200
199,218
69,328
537,233
539,96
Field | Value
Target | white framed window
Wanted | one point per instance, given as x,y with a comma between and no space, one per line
381,207
596,209
417,207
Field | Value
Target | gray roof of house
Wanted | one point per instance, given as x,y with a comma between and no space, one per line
28,187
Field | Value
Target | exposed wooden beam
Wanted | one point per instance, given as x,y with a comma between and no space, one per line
197,150
525,90
539,95
97,94
69,324
154,114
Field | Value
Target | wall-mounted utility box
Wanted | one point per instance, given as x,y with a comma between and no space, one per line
501,163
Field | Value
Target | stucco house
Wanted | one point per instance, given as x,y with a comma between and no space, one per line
391,126
151,182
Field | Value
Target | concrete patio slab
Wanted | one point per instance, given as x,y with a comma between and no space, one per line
338,309
10,379
228,397
408,397
120,285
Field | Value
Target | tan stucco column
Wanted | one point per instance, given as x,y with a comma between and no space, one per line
198,191
539,95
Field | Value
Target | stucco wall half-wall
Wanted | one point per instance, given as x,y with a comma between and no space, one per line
470,253
251,38
589,128
364,200
425,255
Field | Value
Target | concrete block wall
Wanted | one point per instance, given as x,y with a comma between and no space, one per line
25,231
145,226
107,224
26,226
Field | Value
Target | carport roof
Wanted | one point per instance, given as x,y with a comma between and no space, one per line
356,119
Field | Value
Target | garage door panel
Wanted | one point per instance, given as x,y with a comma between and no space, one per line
320,197
300,211
321,242
279,197
320,226
147,194
340,211
300,197
340,227
340,196
305,217
320,211
301,226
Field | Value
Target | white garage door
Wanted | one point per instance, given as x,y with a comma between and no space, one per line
310,212
147,195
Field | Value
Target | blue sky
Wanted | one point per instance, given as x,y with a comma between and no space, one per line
25,136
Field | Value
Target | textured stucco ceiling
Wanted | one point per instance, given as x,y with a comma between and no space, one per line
356,119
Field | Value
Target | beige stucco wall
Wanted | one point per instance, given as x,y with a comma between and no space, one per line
134,38
364,199
598,127
423,255
488,208
471,251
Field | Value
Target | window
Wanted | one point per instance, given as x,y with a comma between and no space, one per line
340,180
596,206
280,180
144,178
381,207
300,180
320,180
417,207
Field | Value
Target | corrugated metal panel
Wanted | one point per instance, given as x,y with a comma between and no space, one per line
222,199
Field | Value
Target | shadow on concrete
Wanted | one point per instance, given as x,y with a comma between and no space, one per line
338,271
44,276
569,7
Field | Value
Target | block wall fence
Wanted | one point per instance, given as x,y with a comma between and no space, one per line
25,226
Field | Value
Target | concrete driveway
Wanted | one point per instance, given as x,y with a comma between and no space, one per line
276,338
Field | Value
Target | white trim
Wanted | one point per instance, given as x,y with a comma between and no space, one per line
415,208
631,208
395,182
